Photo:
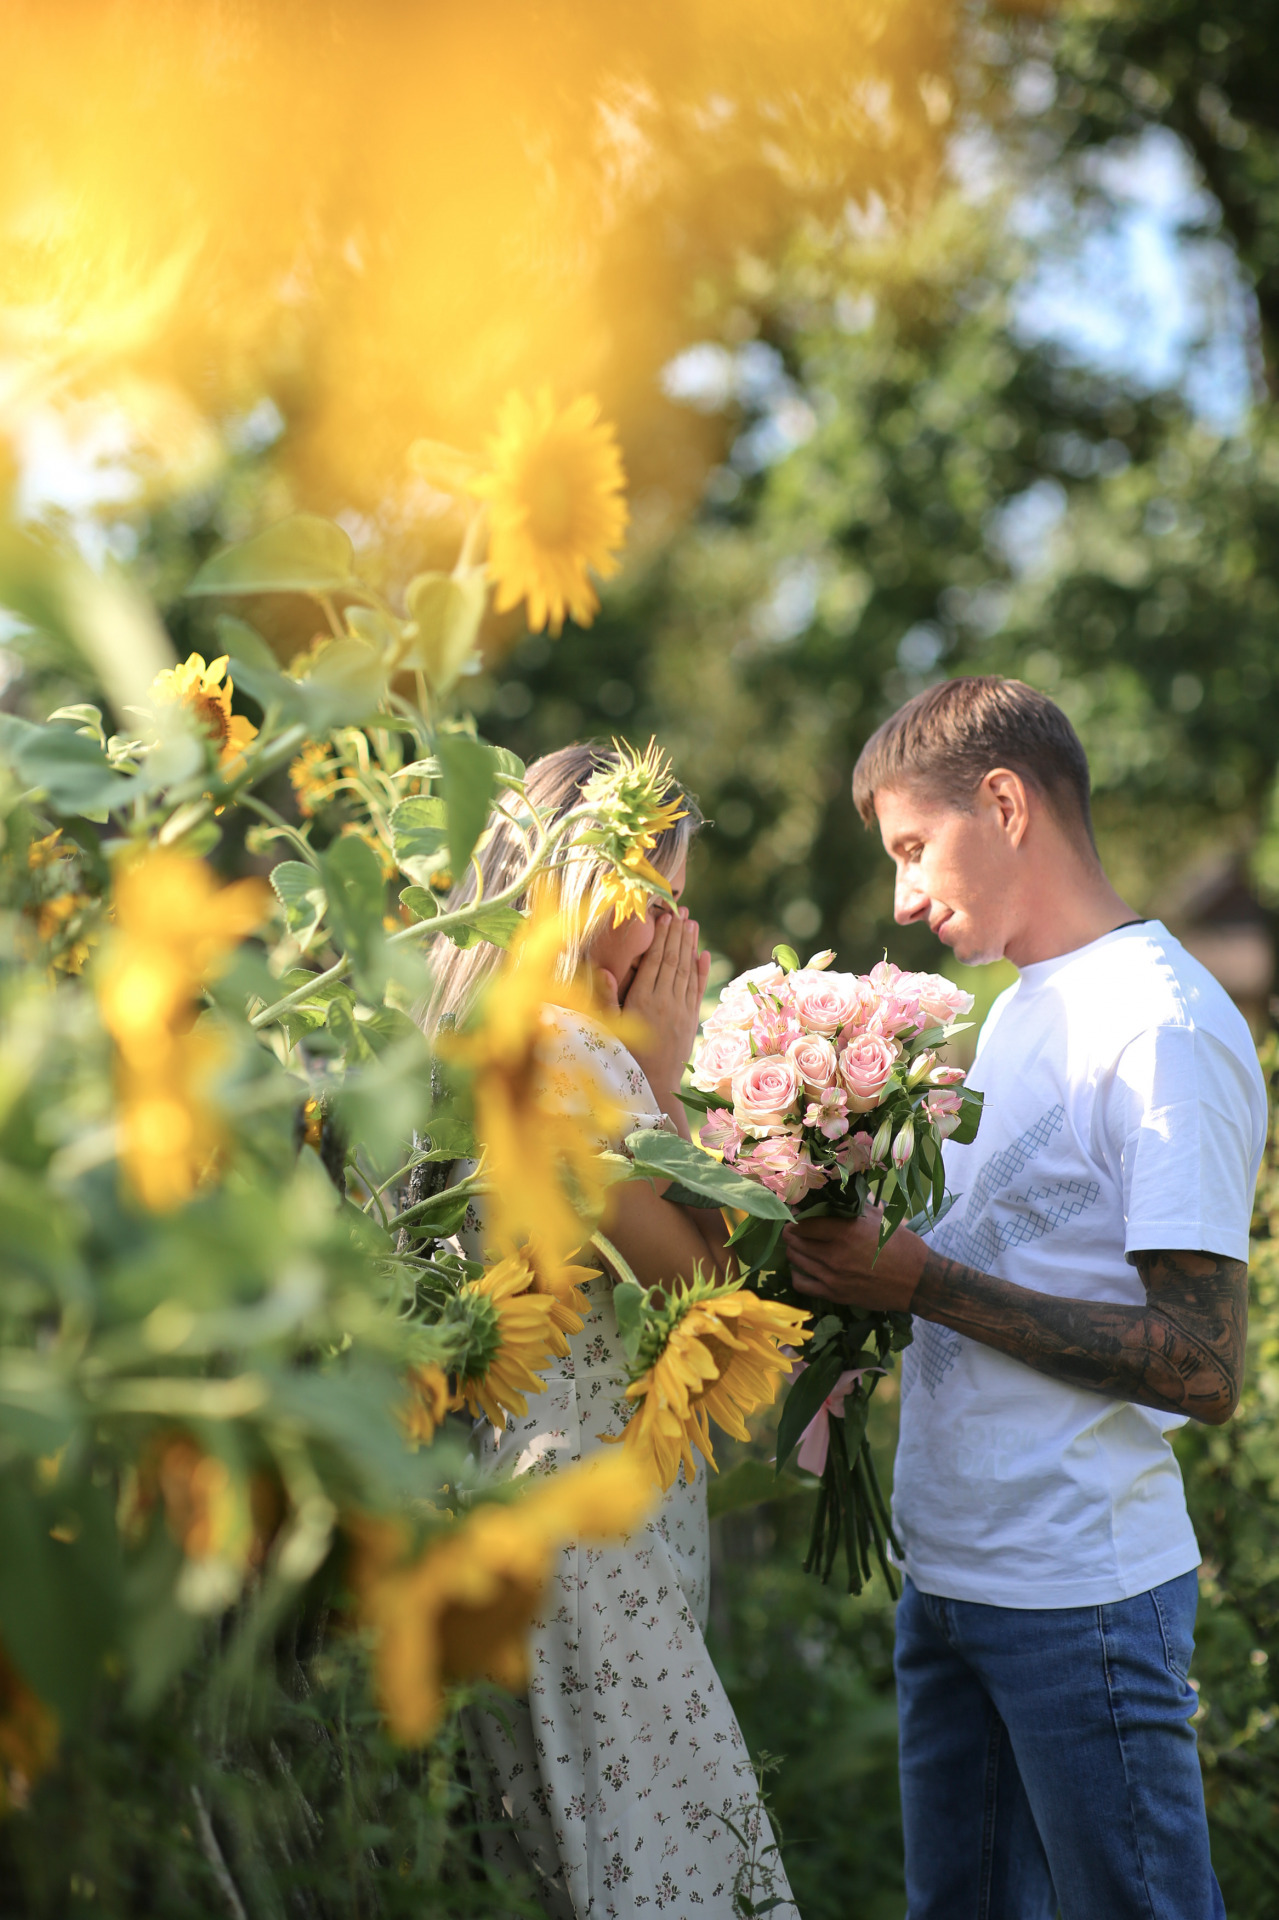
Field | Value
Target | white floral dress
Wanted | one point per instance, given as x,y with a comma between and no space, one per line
611,1782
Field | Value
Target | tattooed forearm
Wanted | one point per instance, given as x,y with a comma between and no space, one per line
1182,1352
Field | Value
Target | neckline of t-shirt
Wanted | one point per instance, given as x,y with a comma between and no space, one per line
1040,970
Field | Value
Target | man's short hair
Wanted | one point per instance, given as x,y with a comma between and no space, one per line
947,739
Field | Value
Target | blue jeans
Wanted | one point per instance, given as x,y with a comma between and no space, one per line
1047,1760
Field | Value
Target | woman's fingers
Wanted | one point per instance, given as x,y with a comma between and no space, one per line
606,984
672,932
682,947
650,966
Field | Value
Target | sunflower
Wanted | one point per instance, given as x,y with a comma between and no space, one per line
313,777
569,1307
513,1334
710,1352
206,1510
628,796
462,1609
555,493
53,928
206,692
28,1737
430,1398
171,1130
175,927
629,889
42,853
530,1147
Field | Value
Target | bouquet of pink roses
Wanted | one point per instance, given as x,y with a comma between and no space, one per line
826,1089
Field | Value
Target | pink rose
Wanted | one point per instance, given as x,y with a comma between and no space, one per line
824,1002
738,1005
865,1008
773,1028
814,1058
767,977
721,1134
783,1167
716,1058
865,1067
943,1110
764,1091
855,1153
828,1113
940,999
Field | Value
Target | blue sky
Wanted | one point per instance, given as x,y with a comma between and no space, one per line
1140,283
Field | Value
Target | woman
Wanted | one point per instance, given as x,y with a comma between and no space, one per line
613,1782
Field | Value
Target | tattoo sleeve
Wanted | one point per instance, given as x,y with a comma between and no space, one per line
1182,1352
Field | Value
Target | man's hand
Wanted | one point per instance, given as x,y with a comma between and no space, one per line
1183,1352
835,1259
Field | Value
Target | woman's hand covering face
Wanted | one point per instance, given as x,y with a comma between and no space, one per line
666,994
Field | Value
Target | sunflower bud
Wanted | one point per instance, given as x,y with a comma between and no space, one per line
880,1144
904,1146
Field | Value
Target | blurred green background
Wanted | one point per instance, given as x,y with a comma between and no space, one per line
1031,430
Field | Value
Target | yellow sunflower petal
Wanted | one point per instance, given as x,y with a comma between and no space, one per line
554,489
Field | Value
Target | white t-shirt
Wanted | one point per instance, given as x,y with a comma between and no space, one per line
1125,1110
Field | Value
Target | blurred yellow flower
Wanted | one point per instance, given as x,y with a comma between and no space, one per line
52,918
174,928
530,1146
28,1737
207,1513
714,1353
556,508
429,1400
42,853
313,777
462,1609
514,1334
206,692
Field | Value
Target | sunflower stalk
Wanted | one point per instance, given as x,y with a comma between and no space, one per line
508,896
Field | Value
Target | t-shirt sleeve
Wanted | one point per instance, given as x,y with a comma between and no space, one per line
1184,1121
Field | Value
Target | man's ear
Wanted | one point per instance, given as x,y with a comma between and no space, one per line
1006,791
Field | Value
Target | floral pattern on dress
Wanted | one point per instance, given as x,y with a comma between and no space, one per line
612,1781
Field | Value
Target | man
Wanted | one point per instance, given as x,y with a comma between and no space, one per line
1086,1294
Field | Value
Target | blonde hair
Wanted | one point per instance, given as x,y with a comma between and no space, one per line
554,786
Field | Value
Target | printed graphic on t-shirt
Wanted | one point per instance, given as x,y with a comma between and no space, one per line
978,1236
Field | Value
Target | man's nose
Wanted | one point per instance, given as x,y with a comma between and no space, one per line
910,903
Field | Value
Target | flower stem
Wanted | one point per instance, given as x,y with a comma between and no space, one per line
299,994
281,827
614,1258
